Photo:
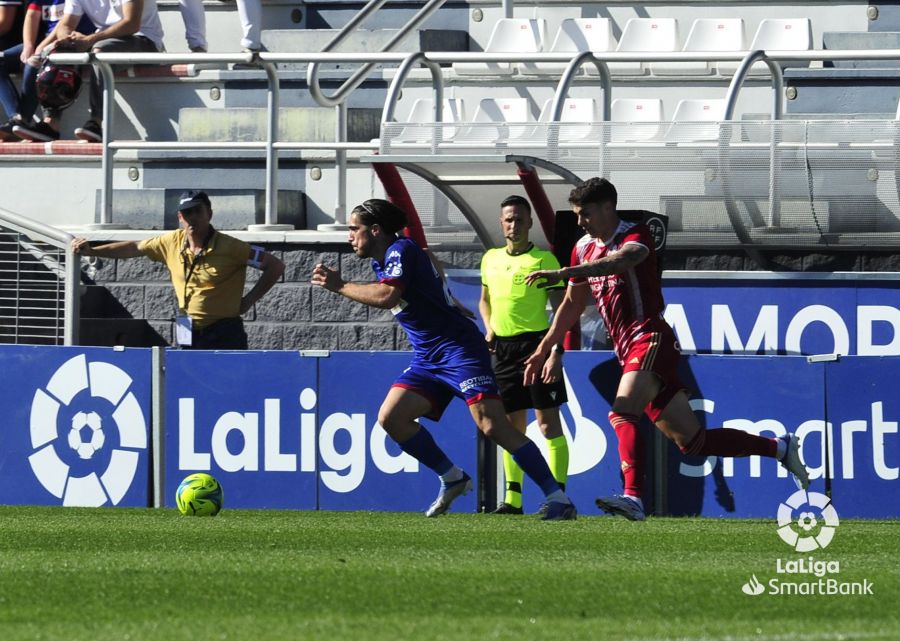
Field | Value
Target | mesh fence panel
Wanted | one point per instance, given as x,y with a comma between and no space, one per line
32,291
787,184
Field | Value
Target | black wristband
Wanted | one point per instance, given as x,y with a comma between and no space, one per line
559,349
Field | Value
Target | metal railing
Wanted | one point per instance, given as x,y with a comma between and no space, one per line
39,283
407,61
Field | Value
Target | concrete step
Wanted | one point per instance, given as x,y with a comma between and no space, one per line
862,40
362,41
156,208
296,124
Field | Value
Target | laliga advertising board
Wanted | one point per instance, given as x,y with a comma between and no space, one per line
77,426
280,430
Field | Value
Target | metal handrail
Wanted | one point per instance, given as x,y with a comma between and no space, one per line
430,60
360,75
72,271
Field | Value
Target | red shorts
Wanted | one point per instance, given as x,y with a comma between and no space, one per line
656,352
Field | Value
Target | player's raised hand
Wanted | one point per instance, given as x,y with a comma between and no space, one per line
547,277
326,277
534,365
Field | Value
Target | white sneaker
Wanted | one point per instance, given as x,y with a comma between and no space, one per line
449,493
791,460
621,505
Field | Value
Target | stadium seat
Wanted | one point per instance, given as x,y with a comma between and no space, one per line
636,119
776,34
423,112
645,35
575,35
585,111
690,111
707,34
496,120
510,35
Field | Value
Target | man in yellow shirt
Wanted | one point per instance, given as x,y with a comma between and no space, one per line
515,318
208,270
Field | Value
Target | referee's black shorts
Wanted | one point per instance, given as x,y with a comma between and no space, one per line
509,358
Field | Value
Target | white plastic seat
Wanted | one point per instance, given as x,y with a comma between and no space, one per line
574,36
510,35
423,112
696,111
498,119
707,34
776,34
580,118
636,119
645,35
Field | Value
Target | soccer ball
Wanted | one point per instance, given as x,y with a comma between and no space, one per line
199,495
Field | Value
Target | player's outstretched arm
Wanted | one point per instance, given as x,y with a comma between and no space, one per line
617,262
567,314
383,295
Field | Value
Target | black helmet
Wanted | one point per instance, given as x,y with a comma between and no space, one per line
57,85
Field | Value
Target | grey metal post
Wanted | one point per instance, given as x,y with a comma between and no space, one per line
158,424
106,160
340,165
272,128
72,300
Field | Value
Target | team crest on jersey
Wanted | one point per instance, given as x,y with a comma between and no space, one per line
393,268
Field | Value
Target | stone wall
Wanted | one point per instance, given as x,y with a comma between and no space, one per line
294,315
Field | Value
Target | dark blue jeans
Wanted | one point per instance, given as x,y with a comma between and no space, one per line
10,64
23,102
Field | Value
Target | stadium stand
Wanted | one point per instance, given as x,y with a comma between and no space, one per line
833,145
510,35
706,34
575,35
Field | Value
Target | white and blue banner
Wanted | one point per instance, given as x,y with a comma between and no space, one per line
284,430
76,426
281,430
760,314
247,418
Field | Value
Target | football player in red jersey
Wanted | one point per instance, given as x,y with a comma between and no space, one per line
615,262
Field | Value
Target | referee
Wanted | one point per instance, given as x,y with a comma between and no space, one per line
515,318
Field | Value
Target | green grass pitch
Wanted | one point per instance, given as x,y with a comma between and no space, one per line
84,574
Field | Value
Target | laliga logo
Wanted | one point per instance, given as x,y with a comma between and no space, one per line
815,524
86,435
587,442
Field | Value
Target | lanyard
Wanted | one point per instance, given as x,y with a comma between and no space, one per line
190,267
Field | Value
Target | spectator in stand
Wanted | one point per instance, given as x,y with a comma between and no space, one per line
194,24
129,26
38,36
250,13
10,23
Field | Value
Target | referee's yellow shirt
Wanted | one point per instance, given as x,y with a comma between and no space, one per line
516,308
216,284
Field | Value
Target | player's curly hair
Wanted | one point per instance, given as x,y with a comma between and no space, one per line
594,190
377,211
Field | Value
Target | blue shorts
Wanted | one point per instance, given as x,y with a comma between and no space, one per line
471,379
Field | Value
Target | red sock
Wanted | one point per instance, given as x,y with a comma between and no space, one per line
631,451
728,442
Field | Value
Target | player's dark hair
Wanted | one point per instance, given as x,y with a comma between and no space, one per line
377,211
594,190
516,201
